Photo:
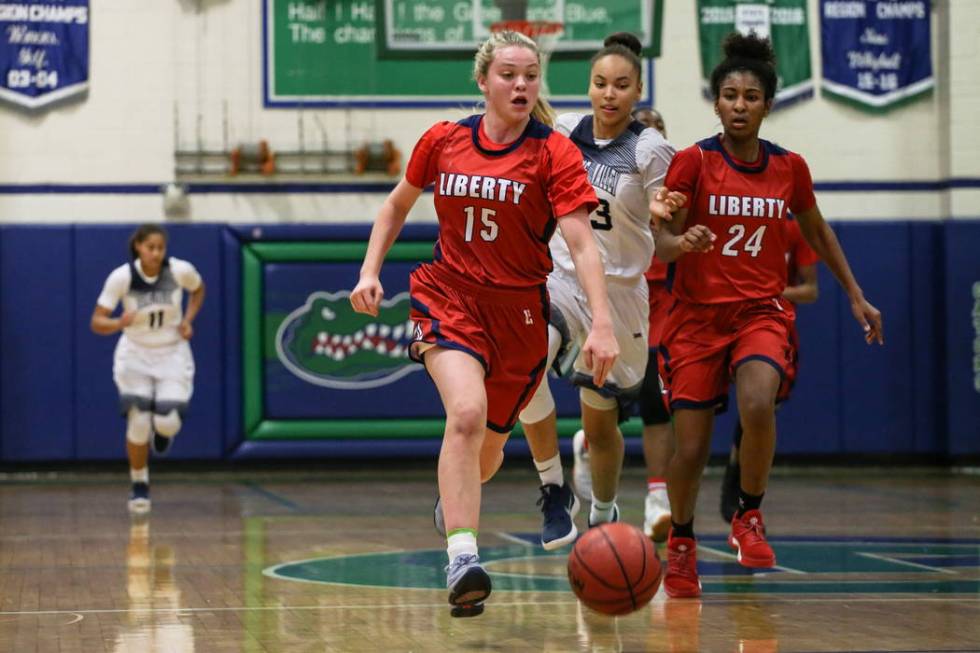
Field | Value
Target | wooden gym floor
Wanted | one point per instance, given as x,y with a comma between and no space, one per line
303,561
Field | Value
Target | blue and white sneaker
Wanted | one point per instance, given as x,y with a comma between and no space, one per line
161,444
139,498
559,505
438,520
615,518
468,584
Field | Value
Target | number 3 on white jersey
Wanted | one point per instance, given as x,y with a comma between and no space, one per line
489,231
753,245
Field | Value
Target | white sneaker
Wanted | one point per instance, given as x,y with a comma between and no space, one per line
582,467
656,515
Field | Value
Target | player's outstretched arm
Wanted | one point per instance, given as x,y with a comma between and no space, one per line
807,291
600,349
194,302
824,242
104,324
673,241
368,293
664,204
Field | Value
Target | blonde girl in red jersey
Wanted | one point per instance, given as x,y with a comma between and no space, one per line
503,181
727,249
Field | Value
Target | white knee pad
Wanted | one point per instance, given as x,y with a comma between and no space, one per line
138,426
541,404
593,399
554,344
167,425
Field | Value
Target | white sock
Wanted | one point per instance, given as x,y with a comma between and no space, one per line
602,511
460,541
550,472
139,475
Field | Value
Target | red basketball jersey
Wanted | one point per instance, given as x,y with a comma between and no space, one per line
745,205
799,254
657,270
498,205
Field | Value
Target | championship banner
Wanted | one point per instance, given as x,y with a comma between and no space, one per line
876,53
43,50
784,22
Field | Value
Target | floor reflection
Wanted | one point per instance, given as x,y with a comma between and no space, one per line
152,623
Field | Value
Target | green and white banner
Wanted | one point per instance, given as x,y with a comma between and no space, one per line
782,21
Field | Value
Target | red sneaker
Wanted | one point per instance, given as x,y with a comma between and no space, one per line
681,580
749,539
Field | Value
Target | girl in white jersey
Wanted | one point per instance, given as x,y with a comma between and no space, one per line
626,164
153,366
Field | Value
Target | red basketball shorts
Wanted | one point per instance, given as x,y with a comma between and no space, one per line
703,345
660,303
505,330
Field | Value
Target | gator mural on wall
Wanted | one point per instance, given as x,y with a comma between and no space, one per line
326,343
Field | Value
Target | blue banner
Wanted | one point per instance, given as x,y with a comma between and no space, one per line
876,53
43,50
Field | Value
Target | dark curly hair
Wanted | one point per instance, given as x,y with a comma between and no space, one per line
625,45
747,53
142,233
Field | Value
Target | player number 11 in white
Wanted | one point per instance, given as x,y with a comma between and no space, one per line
489,230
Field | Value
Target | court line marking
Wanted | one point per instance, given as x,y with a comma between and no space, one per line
732,556
387,606
507,537
258,489
899,561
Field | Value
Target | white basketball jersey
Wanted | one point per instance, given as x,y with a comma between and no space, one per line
626,174
156,300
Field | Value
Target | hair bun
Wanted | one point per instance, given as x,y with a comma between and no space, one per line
625,39
748,46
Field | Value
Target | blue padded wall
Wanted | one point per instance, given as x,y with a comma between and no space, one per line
875,382
962,334
916,395
38,343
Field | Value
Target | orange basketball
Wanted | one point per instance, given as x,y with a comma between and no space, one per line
614,569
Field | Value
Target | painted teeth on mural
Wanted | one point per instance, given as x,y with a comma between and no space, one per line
324,342
381,338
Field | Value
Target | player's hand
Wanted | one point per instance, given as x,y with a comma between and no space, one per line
664,203
186,330
126,319
367,295
697,239
869,318
600,351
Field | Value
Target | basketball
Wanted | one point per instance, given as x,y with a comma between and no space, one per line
614,569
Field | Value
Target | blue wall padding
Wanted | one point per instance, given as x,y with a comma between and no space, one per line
810,421
927,279
875,382
962,331
916,395
230,395
38,343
